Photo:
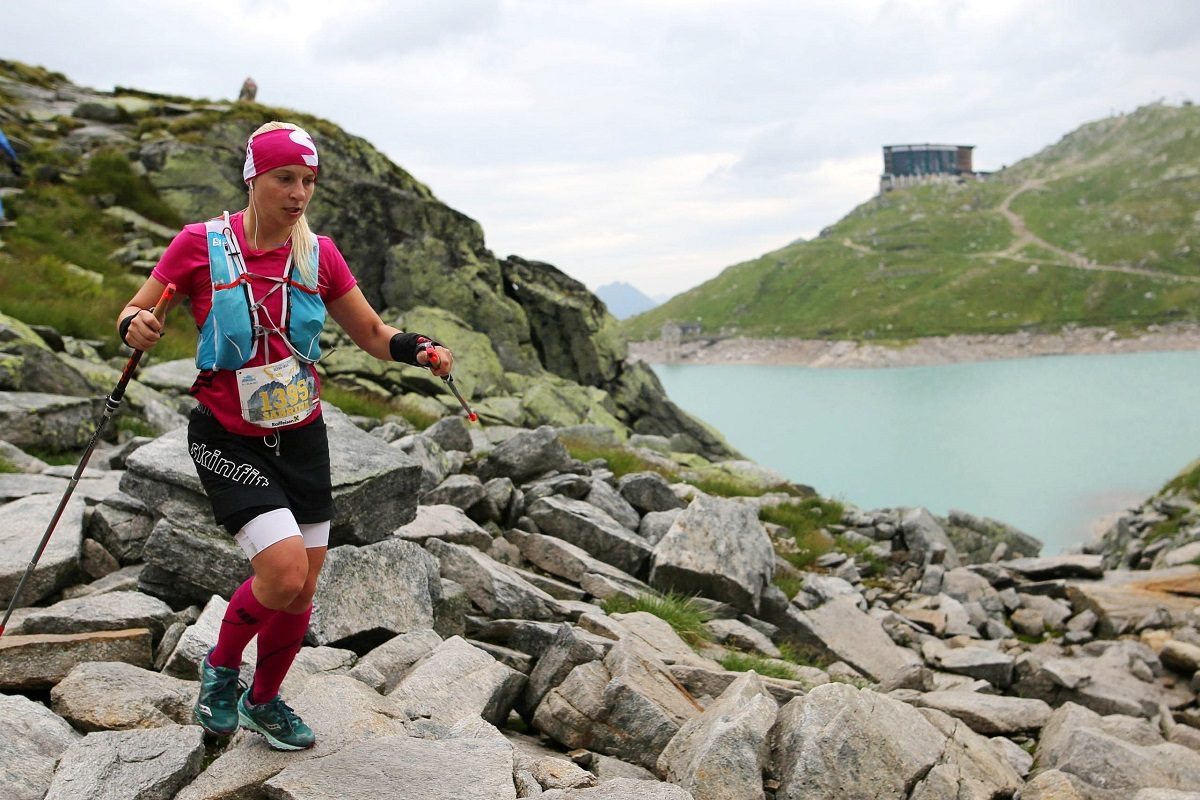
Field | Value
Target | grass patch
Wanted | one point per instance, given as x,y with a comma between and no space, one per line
108,172
61,459
360,403
135,426
806,521
861,551
620,460
681,612
789,584
767,667
804,655
7,466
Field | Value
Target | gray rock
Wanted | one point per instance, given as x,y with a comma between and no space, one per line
845,633
576,487
461,491
456,681
450,433
1099,752
716,548
507,499
19,460
200,637
149,764
658,636
1123,598
605,498
969,767
626,706
993,715
1180,656
1014,754
39,661
492,586
349,602
568,561
622,789
402,768
430,457
586,526
655,525
48,421
977,662
721,754
926,540
570,648
445,522
741,636
526,455
392,660
14,486
31,741
25,523
342,710
122,529
111,611
648,491
1101,679
99,696
203,560
890,745
126,579
1062,566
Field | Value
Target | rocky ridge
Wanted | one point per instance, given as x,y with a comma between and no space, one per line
466,639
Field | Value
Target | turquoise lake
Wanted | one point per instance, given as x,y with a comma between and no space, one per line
1050,445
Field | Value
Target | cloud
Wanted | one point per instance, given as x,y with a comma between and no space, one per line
391,29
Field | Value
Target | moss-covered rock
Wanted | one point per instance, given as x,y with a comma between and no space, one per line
551,400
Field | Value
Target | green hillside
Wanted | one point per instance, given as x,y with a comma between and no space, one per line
1102,228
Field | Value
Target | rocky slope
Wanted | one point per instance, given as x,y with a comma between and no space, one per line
482,629
535,346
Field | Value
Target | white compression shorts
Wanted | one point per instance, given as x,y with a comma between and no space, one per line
276,525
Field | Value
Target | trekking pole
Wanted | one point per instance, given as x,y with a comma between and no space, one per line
449,381
111,404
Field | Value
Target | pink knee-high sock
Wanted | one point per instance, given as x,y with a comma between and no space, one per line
278,644
244,618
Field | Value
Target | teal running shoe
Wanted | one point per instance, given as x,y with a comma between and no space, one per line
216,708
277,722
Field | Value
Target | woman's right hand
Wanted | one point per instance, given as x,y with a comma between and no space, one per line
144,331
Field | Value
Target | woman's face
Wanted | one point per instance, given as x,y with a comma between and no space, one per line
282,194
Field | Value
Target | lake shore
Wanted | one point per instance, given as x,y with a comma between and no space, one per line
928,351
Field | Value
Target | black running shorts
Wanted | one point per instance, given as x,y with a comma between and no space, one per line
245,476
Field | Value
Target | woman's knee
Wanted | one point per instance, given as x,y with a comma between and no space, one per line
281,573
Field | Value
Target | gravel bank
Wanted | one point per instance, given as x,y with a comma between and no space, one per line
921,352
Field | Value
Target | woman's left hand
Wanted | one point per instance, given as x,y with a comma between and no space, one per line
441,363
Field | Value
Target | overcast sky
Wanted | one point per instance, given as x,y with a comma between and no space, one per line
653,142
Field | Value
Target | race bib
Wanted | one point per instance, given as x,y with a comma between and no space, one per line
276,394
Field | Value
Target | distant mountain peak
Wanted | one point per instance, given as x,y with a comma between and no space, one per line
624,299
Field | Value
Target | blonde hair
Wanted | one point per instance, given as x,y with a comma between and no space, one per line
303,238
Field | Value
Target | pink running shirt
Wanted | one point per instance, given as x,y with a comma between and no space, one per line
185,263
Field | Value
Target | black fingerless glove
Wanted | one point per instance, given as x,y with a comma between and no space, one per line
404,347
123,327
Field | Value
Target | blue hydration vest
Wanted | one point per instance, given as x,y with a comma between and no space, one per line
231,333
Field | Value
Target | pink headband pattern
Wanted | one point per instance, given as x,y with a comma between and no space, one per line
279,148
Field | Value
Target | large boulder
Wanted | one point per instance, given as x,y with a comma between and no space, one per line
31,741
154,763
111,695
716,548
721,754
526,455
1108,754
349,602
48,421
459,681
844,633
25,523
627,706
403,767
587,527
494,587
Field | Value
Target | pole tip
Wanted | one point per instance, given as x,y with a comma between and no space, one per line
473,417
